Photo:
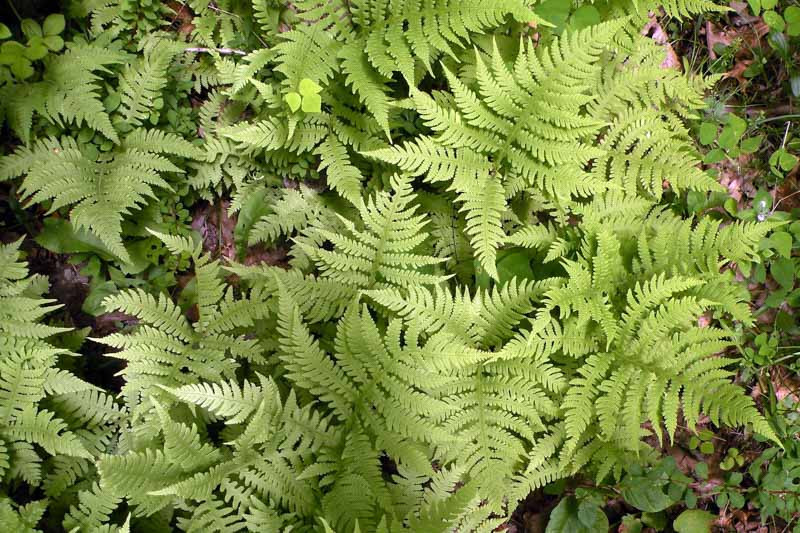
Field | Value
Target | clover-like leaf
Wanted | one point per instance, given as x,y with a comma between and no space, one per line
792,17
308,87
787,161
36,49
22,68
774,21
30,28
312,103
294,100
708,132
53,42
54,24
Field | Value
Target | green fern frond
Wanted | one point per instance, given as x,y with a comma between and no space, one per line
93,509
308,52
142,82
381,253
101,192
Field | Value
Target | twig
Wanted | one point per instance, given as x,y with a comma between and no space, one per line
786,134
782,199
223,51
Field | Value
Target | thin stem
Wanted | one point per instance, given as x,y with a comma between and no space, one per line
785,197
779,117
14,9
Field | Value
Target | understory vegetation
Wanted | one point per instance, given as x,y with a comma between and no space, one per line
399,265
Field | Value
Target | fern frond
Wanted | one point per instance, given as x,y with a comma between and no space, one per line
224,399
142,82
381,253
102,192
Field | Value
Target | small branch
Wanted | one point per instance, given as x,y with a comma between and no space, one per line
782,199
223,51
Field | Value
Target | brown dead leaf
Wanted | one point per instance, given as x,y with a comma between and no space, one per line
683,460
785,384
183,18
715,36
107,323
654,30
750,36
788,192
737,72
743,15
216,227
258,255
738,177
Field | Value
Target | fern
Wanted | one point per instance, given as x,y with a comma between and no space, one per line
46,414
486,287
69,92
426,30
382,252
141,83
521,124
168,351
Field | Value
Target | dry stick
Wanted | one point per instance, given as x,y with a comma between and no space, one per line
786,134
782,199
223,51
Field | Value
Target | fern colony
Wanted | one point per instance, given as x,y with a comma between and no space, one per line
486,290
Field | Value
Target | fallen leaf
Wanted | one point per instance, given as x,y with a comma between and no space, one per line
750,35
216,228
654,30
737,72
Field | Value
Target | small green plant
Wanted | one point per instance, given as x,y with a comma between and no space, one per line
17,59
781,162
777,475
581,513
144,15
729,141
658,487
703,441
763,351
306,98
786,21
730,491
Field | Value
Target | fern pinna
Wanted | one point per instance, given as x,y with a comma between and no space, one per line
485,290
